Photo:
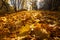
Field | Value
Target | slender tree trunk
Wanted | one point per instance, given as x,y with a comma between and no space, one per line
18,4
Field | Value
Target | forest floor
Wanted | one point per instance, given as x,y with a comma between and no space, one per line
30,25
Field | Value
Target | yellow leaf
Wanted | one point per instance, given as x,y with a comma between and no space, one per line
25,28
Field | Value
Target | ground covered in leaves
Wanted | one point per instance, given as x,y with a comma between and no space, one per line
30,25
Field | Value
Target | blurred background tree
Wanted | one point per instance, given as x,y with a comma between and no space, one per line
52,5
8,6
